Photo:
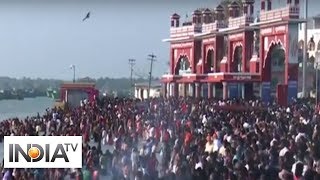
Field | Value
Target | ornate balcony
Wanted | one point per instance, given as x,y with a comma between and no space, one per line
213,26
289,12
244,20
183,31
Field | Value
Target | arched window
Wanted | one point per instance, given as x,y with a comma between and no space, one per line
318,46
311,44
183,66
312,59
238,59
301,44
210,61
278,58
300,55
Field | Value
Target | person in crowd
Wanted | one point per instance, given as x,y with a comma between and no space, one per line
180,138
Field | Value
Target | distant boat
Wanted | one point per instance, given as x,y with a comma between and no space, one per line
19,97
51,93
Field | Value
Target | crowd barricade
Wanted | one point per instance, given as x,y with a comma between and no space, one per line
234,107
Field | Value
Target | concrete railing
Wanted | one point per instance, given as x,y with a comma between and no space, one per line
213,26
286,12
240,21
185,30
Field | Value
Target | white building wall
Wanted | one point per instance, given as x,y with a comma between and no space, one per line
154,92
145,93
315,33
136,92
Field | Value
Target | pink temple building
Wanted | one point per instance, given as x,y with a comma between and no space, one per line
73,93
243,57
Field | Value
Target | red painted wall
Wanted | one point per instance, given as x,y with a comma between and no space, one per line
92,93
218,52
265,64
248,50
197,56
181,51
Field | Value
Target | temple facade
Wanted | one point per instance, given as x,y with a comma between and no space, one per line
241,57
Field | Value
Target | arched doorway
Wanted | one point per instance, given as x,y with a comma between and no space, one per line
209,65
276,56
311,44
237,59
183,66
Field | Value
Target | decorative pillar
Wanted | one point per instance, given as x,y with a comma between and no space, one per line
184,90
168,87
231,12
164,90
192,90
176,89
143,92
225,90
251,9
210,89
197,89
66,96
138,93
245,9
233,90
265,92
243,91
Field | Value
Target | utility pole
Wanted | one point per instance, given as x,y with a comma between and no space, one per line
73,67
152,58
132,63
317,65
317,71
305,53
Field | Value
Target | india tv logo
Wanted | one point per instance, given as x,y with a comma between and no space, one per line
42,152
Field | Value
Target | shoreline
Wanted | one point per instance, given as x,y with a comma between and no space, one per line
22,108
22,98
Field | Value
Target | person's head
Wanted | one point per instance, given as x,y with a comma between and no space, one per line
139,175
299,169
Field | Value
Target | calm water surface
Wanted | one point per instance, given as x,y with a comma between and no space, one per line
24,108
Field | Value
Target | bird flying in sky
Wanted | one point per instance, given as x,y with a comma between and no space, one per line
87,16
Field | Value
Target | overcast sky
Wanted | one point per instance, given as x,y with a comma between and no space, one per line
42,38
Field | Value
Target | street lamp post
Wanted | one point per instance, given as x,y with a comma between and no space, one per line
132,63
317,83
152,58
304,62
317,71
73,67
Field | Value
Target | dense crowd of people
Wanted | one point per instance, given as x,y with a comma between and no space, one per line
180,138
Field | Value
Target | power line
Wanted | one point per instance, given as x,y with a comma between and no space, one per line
140,75
152,58
132,62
